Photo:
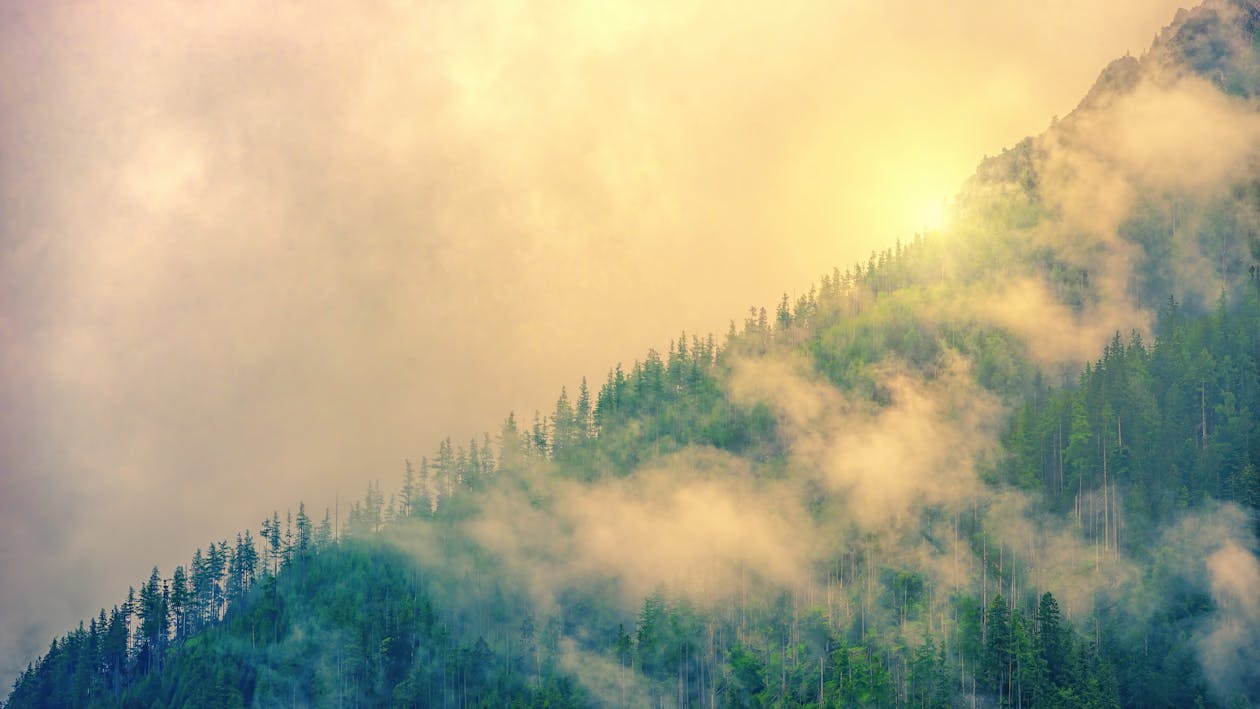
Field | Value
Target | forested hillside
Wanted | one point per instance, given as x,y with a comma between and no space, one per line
1012,462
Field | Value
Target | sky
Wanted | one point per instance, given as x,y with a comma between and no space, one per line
256,253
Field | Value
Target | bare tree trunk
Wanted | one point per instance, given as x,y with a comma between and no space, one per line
1106,504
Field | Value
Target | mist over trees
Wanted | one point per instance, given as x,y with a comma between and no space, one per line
1012,462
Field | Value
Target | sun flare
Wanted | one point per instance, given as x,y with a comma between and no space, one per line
931,215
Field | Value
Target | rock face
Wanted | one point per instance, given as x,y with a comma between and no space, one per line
1216,40
1119,77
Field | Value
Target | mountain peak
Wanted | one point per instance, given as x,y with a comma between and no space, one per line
1216,40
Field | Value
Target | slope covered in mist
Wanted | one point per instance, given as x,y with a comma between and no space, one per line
1012,461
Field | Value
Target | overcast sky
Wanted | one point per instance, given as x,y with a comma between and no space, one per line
255,253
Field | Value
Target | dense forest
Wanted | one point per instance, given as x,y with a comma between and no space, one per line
1013,462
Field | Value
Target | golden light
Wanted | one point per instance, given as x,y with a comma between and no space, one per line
931,214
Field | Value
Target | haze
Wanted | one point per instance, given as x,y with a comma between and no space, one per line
250,256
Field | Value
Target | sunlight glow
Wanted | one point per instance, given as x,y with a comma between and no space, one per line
931,215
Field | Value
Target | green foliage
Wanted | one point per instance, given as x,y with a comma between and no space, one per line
1155,419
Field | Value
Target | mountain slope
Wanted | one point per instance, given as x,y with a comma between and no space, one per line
901,489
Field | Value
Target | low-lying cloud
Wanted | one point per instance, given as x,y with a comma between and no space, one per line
693,524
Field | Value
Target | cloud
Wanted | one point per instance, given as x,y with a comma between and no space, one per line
1130,199
886,460
609,682
1052,332
906,476
1208,552
1179,138
697,523
1075,562
250,255
1231,649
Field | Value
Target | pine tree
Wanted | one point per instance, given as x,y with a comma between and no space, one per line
1052,639
487,458
562,425
179,602
303,540
510,447
998,648
323,533
583,411
271,535
428,496
538,437
409,494
153,613
286,552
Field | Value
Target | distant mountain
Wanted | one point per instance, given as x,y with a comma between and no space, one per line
1012,462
